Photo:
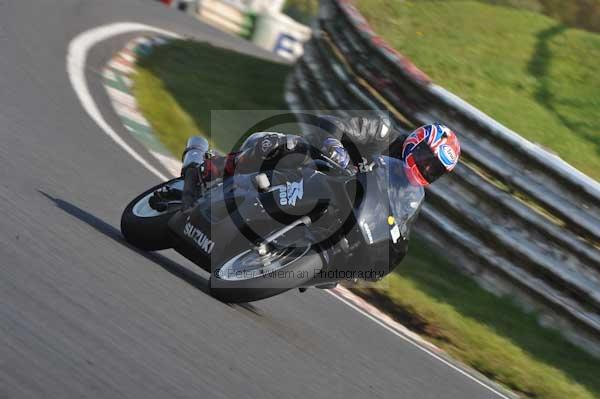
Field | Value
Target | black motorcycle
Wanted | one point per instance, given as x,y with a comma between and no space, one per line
262,233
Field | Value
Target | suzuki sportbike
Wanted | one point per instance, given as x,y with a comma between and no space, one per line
262,233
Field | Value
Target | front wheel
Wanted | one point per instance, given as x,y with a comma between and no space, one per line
145,227
250,276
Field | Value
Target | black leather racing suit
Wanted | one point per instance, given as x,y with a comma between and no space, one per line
351,142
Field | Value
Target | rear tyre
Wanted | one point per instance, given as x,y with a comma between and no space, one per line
235,282
144,227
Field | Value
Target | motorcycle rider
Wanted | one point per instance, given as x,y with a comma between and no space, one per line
427,153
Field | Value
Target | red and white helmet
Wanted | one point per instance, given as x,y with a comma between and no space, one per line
429,152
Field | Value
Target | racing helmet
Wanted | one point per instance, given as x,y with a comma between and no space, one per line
429,152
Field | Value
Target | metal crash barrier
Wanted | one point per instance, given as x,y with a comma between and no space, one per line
516,217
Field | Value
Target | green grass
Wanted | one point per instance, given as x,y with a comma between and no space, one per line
491,334
179,84
582,14
301,10
526,70
186,86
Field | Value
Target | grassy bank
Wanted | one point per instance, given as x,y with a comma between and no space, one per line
582,14
489,333
524,69
177,86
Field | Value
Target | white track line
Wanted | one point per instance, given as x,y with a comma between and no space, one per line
76,63
77,55
416,345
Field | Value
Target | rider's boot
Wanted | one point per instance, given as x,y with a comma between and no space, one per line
193,158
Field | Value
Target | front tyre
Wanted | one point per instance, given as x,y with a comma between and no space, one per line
143,226
249,276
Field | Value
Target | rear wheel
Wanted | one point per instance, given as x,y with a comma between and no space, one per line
145,227
250,276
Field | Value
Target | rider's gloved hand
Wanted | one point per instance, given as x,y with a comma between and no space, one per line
334,149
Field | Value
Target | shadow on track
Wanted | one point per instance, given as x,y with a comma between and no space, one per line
195,280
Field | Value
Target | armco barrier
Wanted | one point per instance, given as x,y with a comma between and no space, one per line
518,218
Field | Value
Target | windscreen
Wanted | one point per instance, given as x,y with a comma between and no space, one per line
405,198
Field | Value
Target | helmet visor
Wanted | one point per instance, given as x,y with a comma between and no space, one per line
428,163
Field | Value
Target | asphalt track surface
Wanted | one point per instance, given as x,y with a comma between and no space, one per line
82,314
